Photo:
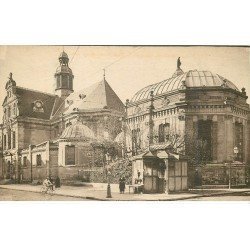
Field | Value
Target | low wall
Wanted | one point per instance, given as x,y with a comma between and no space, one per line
218,174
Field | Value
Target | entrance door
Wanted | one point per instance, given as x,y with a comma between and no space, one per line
152,182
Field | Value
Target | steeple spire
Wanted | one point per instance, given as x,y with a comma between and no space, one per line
64,76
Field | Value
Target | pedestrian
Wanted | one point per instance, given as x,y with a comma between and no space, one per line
52,183
57,182
122,185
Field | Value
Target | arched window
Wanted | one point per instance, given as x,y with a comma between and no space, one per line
9,139
13,139
205,140
239,141
163,132
70,155
24,161
5,142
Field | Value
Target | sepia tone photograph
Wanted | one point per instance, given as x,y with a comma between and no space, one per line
124,123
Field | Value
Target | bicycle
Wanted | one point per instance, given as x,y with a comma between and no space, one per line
47,189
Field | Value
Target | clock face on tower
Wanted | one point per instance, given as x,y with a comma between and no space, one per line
38,106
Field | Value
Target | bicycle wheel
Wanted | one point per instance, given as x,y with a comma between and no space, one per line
42,190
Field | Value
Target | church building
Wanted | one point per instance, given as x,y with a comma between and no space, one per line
61,134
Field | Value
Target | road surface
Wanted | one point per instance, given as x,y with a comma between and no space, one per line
16,195
237,197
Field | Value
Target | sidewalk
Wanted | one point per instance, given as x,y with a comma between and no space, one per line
98,192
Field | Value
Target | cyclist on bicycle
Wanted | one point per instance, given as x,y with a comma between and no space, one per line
47,184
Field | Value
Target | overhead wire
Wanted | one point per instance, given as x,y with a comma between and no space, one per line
110,64
74,54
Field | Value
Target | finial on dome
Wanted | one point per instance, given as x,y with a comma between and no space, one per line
10,76
178,63
178,70
63,58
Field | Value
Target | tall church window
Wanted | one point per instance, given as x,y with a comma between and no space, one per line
163,132
38,160
239,140
24,161
64,81
70,82
69,155
205,140
4,141
13,139
9,139
58,82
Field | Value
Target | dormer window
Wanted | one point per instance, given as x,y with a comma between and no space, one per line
38,106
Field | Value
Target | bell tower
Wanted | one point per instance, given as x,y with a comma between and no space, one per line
63,77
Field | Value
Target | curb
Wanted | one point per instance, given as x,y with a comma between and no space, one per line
112,199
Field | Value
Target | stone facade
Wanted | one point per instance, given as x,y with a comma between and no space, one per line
34,121
201,114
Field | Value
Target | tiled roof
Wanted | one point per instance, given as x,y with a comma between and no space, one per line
26,100
96,97
192,78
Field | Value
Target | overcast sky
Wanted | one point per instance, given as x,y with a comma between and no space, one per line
128,69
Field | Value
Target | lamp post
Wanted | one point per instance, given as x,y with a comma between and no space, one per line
236,151
109,188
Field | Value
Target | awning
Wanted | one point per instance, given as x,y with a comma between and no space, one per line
162,155
160,146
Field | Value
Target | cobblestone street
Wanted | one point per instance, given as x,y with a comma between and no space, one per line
16,195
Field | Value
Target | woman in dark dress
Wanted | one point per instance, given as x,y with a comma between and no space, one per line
122,185
57,182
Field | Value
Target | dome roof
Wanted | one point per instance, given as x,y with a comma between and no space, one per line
192,78
64,55
77,131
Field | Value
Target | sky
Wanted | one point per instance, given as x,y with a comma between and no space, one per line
127,68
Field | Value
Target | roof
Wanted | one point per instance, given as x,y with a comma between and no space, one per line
192,78
63,54
77,131
98,96
26,100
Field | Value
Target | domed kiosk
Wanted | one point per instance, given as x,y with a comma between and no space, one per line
81,153
75,145
201,115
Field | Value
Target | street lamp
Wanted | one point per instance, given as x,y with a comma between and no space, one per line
236,151
109,188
